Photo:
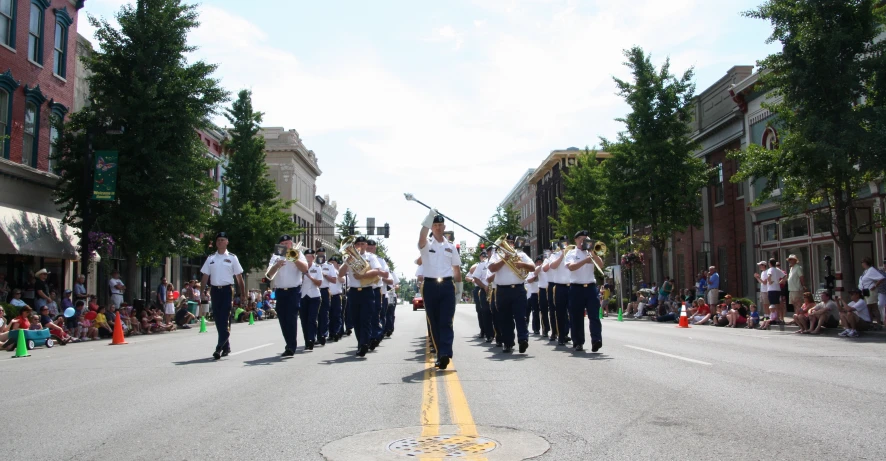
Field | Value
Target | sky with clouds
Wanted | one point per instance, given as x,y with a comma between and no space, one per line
452,101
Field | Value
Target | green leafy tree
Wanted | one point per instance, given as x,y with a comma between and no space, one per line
143,83
831,79
254,216
343,228
506,220
653,176
584,204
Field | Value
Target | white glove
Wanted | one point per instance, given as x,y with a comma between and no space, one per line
429,219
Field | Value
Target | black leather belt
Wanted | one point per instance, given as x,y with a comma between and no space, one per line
357,289
220,287
287,288
585,285
511,286
438,279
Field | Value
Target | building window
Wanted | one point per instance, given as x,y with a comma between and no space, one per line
796,227
7,23
770,139
35,34
55,124
770,232
29,146
718,187
8,85
821,223
59,53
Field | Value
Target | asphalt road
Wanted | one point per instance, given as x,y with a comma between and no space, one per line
652,392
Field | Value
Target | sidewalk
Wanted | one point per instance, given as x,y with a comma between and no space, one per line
790,327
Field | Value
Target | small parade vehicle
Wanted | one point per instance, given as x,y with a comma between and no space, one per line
34,337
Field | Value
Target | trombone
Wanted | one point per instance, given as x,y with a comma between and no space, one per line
291,255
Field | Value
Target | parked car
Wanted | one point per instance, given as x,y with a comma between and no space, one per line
418,303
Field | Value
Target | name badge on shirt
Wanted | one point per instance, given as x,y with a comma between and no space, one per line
212,262
227,260
448,250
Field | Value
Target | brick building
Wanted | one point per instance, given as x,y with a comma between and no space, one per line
522,198
37,78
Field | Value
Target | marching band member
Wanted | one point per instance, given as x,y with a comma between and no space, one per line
583,293
552,310
310,307
532,283
392,305
379,303
335,299
542,296
510,297
483,311
442,274
360,298
287,277
222,268
559,276
323,314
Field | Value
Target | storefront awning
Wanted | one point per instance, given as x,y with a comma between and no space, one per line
34,234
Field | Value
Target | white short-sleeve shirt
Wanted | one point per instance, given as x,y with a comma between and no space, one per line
384,266
334,288
373,264
480,272
774,274
308,289
288,276
560,274
506,276
585,274
438,258
324,270
113,284
221,268
861,309
542,278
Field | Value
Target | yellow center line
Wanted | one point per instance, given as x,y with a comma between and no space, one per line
430,403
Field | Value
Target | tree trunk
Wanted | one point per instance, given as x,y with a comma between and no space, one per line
658,246
845,217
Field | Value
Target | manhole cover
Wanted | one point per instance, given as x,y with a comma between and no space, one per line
451,446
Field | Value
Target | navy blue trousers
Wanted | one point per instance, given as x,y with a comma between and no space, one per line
376,332
360,313
389,318
543,311
552,312
439,300
584,299
495,316
222,301
532,308
323,314
288,305
485,314
308,315
346,312
335,315
561,304
511,303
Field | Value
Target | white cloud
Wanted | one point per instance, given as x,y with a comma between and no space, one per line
479,22
447,34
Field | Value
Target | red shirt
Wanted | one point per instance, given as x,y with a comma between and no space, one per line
704,309
23,323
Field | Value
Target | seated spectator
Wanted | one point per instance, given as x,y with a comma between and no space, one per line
753,317
701,313
823,315
101,323
855,316
53,306
17,299
639,308
66,300
269,309
673,315
55,330
21,322
93,303
721,319
4,328
87,331
35,322
183,316
801,313
129,326
737,315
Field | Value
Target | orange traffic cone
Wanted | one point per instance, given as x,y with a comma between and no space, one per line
684,321
118,332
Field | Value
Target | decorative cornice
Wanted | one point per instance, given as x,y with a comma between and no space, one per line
78,3
7,82
42,3
34,95
62,16
58,109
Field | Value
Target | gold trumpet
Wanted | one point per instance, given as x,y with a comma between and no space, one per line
510,257
600,250
292,255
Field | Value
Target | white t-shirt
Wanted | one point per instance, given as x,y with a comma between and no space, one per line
113,284
773,275
861,308
764,288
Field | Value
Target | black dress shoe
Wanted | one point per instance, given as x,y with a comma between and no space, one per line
567,339
373,344
348,333
553,338
388,334
225,352
561,343
579,348
287,353
536,332
442,362
216,355
309,346
322,341
488,340
523,346
508,349
499,344
361,352
596,345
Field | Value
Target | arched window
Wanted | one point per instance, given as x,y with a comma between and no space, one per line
770,139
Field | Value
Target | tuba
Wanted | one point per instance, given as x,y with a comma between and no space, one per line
506,252
292,255
355,261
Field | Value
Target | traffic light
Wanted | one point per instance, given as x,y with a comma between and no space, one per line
387,230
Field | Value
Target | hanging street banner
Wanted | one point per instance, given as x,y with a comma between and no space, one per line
104,186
